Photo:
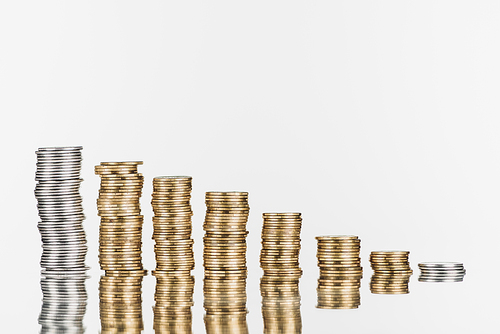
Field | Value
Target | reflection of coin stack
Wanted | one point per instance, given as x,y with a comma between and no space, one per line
120,304
64,304
120,234
225,262
340,272
440,272
281,304
281,244
60,209
174,298
391,272
174,254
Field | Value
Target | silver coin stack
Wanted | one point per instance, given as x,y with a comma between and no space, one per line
64,305
441,272
60,209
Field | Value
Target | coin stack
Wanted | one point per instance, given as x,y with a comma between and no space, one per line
174,299
281,304
225,260
340,272
120,233
281,244
172,224
391,272
60,209
441,272
64,304
120,304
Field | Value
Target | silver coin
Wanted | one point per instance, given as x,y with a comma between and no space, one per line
440,264
440,280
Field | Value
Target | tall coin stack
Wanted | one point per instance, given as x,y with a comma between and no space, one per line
174,254
120,233
60,209
120,303
64,304
391,272
281,304
340,272
439,272
281,244
225,260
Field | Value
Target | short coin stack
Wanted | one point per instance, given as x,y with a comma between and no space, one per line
172,224
225,258
64,304
281,304
441,272
340,272
120,233
60,209
391,272
174,299
120,304
281,244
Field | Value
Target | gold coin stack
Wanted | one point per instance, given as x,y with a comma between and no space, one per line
172,224
120,233
281,244
391,272
280,304
174,299
225,260
174,254
120,304
340,272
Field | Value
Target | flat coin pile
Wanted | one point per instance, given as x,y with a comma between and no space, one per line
391,272
224,258
120,232
120,304
340,272
281,304
281,244
441,272
64,304
172,224
60,209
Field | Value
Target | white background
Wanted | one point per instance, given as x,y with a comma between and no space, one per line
374,118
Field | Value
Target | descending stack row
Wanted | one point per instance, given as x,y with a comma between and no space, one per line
120,233
281,304
224,259
60,209
391,272
340,272
120,303
174,254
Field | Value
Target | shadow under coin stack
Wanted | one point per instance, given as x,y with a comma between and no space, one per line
440,272
340,272
391,272
60,209
279,258
120,243
174,254
64,304
225,262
